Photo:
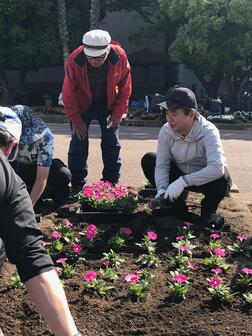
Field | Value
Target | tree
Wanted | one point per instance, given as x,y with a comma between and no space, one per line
63,30
28,38
213,37
94,14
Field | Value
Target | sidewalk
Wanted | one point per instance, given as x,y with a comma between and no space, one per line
136,141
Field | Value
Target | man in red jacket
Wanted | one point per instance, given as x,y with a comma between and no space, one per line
97,85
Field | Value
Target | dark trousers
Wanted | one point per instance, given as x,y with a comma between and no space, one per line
110,146
213,191
57,186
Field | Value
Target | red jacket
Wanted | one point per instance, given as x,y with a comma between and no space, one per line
76,93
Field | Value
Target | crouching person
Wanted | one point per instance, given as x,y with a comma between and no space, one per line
44,176
22,238
189,157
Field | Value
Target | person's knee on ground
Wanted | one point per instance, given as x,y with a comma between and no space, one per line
148,163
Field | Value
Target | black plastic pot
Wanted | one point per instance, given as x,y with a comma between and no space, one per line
103,216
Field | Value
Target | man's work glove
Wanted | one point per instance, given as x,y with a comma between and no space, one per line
175,189
159,193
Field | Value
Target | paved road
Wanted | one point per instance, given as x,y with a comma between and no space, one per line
136,141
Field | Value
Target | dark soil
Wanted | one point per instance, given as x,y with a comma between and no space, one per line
117,314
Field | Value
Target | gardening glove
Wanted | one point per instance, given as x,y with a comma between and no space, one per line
159,193
175,189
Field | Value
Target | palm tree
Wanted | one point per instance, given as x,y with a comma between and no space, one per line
95,14
64,35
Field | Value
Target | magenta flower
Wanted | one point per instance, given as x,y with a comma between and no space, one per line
68,223
180,237
91,231
241,238
215,236
76,248
247,270
180,278
220,252
46,243
132,278
191,266
127,231
152,235
56,235
184,248
106,263
61,260
89,276
188,224
215,282
217,270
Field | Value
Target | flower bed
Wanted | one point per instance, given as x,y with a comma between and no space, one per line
141,279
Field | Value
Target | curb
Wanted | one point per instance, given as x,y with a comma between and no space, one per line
60,119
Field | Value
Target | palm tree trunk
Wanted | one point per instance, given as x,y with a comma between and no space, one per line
94,14
63,31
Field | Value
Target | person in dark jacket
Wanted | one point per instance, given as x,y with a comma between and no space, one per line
23,240
97,85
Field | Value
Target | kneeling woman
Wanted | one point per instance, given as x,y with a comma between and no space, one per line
44,176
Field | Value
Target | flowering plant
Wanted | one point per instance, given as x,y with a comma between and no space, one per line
178,284
241,245
113,258
106,196
65,229
245,279
119,239
95,285
15,282
139,282
217,259
218,290
64,269
148,244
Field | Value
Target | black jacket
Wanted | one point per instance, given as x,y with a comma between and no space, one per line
18,226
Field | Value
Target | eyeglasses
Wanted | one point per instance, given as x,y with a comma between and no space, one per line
97,59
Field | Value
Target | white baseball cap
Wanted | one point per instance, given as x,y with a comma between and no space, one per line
96,42
12,125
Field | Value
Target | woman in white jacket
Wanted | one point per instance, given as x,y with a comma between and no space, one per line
189,157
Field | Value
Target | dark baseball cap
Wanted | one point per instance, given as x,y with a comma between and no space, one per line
179,97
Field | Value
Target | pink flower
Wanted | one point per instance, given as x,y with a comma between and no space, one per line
46,243
106,263
247,270
220,252
91,231
68,223
191,266
127,231
241,238
188,224
88,192
76,248
184,248
132,278
56,235
180,237
152,235
215,282
217,270
119,192
180,278
215,236
61,260
89,276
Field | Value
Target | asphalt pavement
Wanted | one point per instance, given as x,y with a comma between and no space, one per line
136,141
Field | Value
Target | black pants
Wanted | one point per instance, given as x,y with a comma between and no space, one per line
57,186
214,191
